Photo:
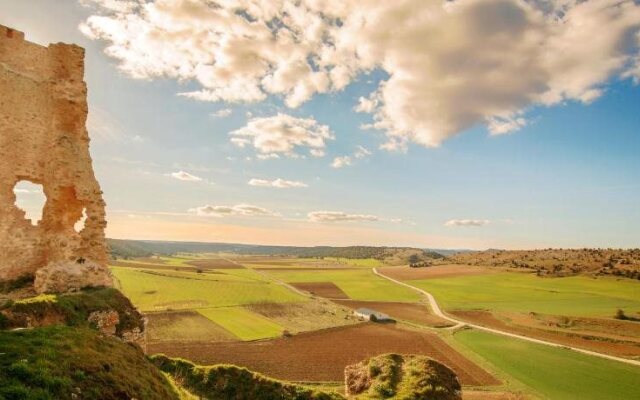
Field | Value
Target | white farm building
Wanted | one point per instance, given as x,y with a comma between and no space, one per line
372,315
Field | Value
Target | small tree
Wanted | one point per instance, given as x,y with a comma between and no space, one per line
620,314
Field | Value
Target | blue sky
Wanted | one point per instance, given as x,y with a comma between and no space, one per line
569,178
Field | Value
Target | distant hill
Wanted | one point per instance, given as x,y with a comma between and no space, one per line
450,252
143,248
558,262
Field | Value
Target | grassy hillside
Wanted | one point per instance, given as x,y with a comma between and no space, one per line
555,373
60,361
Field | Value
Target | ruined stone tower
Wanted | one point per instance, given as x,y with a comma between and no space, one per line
43,139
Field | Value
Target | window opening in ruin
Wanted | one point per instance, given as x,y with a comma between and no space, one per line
30,198
79,225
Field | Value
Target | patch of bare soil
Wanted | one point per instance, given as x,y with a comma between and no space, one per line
215,263
307,316
327,290
411,312
323,355
184,326
589,342
436,271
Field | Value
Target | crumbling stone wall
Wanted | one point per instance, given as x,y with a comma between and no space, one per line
43,139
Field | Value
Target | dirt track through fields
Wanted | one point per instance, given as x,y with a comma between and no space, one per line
327,290
436,309
411,312
322,355
485,318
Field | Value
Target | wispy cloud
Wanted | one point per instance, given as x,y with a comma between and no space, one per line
222,113
277,183
246,210
105,127
345,161
339,216
467,222
185,176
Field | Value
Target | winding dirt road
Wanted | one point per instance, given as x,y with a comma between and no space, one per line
458,324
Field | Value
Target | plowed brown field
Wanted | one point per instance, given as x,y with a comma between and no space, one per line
327,290
322,355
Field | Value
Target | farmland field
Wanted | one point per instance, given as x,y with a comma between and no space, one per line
520,292
357,284
243,323
184,326
228,314
152,291
555,373
322,355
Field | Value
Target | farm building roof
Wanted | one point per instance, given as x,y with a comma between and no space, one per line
369,312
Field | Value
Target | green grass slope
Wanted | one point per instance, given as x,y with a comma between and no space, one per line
555,373
58,361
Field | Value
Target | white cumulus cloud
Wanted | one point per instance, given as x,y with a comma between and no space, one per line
283,134
240,209
450,65
277,183
467,222
339,216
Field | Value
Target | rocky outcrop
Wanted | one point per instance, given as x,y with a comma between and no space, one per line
43,139
60,277
406,377
107,310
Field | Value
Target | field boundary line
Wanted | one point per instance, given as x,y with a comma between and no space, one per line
436,309
274,279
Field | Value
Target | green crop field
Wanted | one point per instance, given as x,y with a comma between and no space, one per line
519,292
357,284
555,373
152,290
243,323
